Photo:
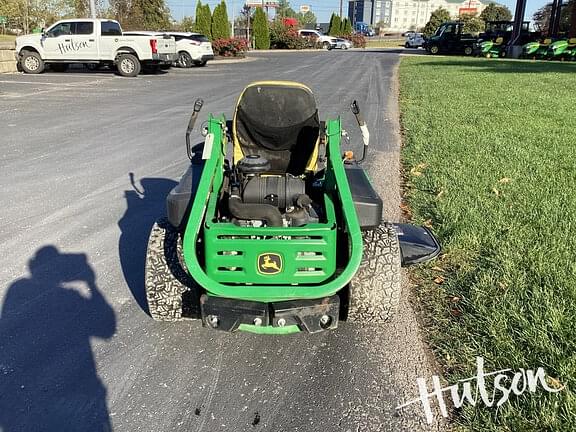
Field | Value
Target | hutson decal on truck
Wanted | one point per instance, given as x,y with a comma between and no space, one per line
72,46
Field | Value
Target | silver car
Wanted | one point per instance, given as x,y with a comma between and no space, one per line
343,44
414,40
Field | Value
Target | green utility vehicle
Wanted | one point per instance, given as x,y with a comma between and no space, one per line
273,228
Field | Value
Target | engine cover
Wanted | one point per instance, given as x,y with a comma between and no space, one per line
279,191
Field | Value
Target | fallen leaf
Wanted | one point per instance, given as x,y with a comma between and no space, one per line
455,299
504,180
455,312
439,194
496,191
417,170
503,285
439,280
438,269
427,223
554,382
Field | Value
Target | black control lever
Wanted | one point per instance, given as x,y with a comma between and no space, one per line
363,128
197,107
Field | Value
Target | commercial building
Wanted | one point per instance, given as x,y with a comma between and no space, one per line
403,15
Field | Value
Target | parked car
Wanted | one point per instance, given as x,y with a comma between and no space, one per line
327,42
343,44
97,42
194,49
414,40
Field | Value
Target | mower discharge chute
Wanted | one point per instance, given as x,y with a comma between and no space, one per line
279,233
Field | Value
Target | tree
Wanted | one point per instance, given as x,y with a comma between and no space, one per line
346,27
437,18
151,14
472,24
187,24
260,30
284,10
220,26
335,24
306,19
203,20
496,12
541,17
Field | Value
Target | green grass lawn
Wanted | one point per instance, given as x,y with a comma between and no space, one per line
385,43
490,163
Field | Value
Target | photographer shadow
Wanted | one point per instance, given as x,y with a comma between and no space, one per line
48,375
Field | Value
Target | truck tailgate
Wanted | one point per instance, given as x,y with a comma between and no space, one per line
165,44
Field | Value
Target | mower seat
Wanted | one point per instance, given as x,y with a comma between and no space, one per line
277,120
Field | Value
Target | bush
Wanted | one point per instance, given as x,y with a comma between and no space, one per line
357,40
284,36
230,47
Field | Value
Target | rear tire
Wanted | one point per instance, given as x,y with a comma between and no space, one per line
128,65
406,45
468,51
326,45
434,49
374,293
184,59
31,62
166,279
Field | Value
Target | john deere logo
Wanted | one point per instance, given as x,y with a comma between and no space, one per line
269,263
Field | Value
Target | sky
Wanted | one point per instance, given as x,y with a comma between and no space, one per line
321,8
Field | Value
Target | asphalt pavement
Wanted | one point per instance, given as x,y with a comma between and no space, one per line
86,160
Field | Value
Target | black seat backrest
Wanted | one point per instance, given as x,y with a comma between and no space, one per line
278,121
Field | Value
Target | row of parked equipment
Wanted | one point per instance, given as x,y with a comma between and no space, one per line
561,49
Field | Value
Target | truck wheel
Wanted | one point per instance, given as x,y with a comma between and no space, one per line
184,59
166,279
128,65
468,50
326,45
434,49
374,293
59,67
406,45
31,62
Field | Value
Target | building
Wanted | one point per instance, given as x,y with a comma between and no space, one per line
403,15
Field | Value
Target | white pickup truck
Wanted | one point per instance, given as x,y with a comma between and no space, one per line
93,42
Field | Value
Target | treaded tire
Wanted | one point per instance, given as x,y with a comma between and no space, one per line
128,65
31,62
434,49
374,293
166,278
185,60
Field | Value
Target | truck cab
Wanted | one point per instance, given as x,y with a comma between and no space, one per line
451,39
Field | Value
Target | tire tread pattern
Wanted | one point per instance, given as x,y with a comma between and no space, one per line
375,289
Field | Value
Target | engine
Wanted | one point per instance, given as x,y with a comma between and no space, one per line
258,197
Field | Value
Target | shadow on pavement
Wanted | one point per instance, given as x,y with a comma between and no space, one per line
48,376
144,205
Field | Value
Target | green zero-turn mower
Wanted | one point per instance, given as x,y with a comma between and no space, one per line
281,232
493,48
564,49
